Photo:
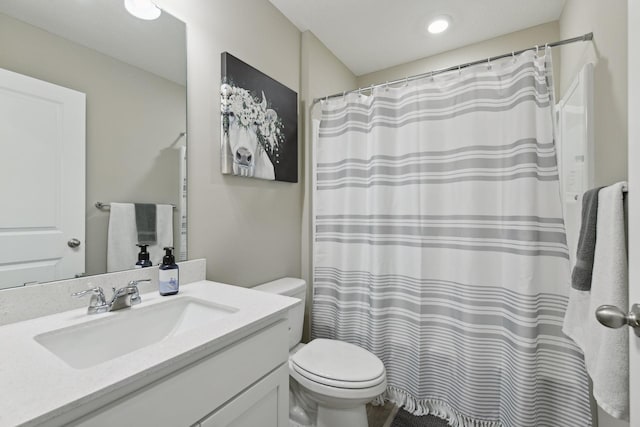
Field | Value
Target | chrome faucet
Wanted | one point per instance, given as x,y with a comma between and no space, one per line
122,298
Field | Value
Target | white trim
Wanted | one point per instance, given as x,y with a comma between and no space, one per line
633,201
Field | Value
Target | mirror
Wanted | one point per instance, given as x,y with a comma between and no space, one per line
89,74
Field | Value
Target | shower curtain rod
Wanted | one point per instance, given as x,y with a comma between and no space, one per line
582,38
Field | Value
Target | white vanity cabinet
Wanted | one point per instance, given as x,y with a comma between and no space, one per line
245,384
264,404
213,355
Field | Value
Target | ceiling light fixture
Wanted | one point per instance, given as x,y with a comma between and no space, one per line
143,9
438,25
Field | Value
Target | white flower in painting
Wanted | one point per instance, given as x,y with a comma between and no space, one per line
251,112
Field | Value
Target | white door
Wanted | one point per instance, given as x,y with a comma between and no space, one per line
42,180
634,202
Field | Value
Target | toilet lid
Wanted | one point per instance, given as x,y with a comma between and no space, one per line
338,360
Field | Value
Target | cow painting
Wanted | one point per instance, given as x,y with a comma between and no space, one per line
259,124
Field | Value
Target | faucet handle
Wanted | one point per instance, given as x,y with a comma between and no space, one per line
98,302
94,291
135,282
135,296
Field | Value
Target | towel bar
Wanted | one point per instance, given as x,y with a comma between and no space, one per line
101,205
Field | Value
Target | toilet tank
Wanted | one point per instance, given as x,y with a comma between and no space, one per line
295,288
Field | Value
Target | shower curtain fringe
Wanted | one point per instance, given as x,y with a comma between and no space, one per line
433,407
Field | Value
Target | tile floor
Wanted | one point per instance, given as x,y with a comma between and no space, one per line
381,416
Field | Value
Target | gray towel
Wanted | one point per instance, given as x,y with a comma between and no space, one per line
582,271
146,223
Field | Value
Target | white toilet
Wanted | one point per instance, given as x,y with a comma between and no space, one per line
330,381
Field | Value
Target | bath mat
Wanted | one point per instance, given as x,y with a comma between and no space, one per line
406,419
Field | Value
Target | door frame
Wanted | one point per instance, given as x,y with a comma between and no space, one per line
633,200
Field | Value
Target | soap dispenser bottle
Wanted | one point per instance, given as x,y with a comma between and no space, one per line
143,257
168,276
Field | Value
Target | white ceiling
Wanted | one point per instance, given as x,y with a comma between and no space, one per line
370,35
156,46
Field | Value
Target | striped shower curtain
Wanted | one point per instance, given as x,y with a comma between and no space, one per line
440,245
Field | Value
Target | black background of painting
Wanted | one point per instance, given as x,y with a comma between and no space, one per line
280,98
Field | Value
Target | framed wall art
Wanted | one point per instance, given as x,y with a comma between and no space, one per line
259,124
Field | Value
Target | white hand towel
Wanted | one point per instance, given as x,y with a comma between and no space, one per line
122,252
606,351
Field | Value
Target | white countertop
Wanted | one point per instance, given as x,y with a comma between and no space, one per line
36,386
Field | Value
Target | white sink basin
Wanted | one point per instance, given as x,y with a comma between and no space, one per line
124,331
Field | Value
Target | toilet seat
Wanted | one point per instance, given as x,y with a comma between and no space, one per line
341,393
337,383
338,365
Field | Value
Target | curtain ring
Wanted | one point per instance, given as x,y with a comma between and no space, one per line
386,86
406,81
344,92
459,71
536,49
371,90
513,55
489,63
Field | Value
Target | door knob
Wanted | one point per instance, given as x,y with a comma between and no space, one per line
73,243
612,317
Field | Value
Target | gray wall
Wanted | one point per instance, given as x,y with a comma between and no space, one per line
247,229
133,116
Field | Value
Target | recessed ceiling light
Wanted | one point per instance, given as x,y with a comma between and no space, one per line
143,9
438,25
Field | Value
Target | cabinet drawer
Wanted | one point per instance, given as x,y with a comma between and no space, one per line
184,397
264,404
